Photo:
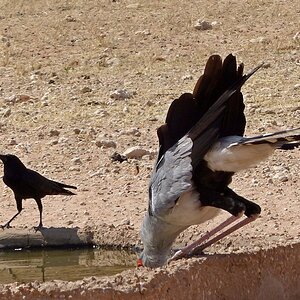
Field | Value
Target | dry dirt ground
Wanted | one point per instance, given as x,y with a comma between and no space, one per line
61,61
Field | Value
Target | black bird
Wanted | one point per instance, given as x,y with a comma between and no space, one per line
27,183
201,147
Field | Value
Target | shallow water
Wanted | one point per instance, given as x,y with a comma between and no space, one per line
64,264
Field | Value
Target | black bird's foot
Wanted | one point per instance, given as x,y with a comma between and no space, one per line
7,225
39,227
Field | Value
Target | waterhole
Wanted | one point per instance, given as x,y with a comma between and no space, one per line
64,264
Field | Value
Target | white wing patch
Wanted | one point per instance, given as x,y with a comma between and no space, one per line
230,156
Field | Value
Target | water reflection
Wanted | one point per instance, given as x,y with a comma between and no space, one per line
63,264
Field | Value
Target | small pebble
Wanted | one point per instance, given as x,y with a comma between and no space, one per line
86,89
76,161
106,144
77,131
187,77
70,19
120,94
12,142
296,37
23,98
203,25
135,152
54,132
7,113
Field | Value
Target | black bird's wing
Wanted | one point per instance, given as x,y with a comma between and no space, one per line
39,186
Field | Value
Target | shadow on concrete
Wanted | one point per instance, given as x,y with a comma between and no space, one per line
27,238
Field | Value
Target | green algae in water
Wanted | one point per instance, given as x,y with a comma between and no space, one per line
63,264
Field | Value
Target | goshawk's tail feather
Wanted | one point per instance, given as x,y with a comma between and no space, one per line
281,139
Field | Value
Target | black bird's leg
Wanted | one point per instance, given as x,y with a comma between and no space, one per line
7,225
40,207
19,207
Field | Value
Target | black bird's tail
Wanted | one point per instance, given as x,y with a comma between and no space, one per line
61,188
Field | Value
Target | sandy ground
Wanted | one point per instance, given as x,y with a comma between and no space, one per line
60,64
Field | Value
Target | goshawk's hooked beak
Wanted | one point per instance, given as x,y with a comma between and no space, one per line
139,263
